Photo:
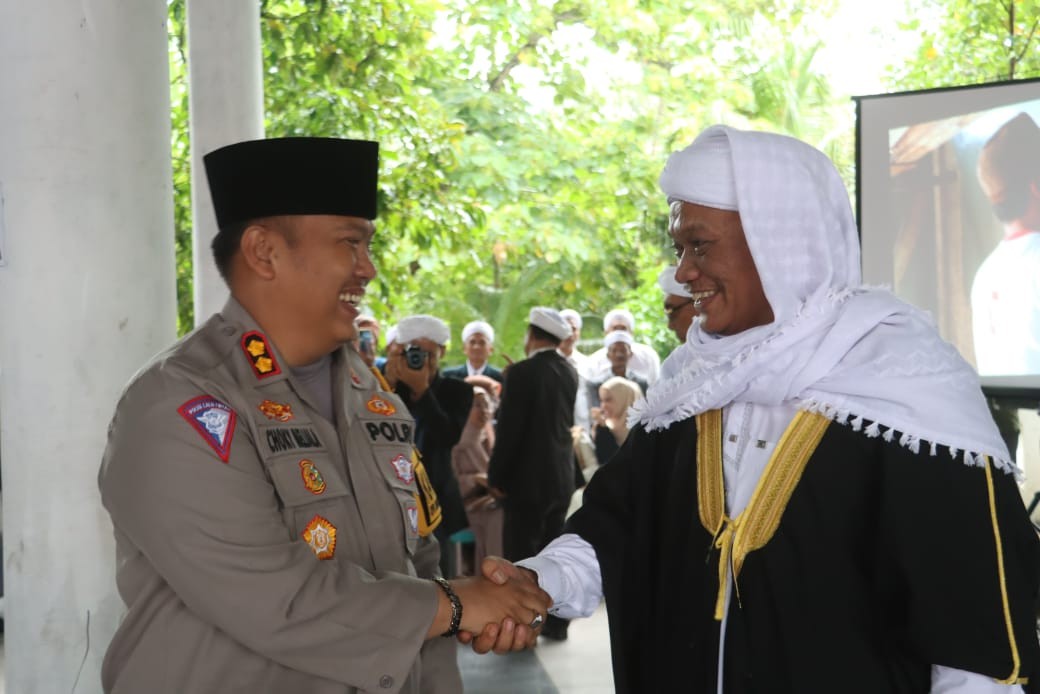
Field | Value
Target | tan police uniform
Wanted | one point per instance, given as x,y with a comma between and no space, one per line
262,548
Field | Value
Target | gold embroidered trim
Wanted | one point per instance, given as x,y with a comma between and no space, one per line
710,493
1013,678
755,525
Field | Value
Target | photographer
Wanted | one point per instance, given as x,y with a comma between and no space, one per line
440,406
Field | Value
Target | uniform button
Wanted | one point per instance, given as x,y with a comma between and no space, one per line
386,681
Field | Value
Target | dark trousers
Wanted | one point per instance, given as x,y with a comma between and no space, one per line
526,529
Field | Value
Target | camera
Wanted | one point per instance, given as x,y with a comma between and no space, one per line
415,356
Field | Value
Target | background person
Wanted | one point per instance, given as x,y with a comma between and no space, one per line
266,540
678,304
478,344
469,460
616,396
440,406
645,364
532,468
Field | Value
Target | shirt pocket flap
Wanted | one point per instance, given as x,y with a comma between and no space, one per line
305,479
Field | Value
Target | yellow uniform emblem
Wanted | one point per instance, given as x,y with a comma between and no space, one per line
321,536
312,479
378,405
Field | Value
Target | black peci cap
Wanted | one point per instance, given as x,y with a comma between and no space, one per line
293,175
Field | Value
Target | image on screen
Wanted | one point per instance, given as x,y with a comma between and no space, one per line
949,215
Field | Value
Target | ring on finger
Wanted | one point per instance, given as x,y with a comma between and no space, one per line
537,621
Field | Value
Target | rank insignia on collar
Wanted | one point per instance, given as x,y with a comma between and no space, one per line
354,378
403,469
214,420
321,536
276,410
254,344
312,479
378,405
413,518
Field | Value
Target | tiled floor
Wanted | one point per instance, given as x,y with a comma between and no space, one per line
579,665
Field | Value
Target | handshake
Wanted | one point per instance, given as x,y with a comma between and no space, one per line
503,609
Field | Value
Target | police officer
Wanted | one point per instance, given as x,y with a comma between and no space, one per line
273,527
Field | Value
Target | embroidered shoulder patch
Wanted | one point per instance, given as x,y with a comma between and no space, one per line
312,479
254,344
276,410
321,536
378,405
403,469
214,420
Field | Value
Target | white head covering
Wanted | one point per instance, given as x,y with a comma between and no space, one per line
550,320
619,314
572,316
618,336
836,347
422,326
478,326
666,281
391,334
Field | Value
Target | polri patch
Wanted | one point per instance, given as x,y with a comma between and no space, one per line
403,469
321,536
214,420
254,344
378,405
276,410
312,479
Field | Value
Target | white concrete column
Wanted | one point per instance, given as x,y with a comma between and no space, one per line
226,96
86,296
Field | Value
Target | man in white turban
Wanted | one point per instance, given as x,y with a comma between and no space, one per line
645,362
815,498
678,304
478,344
532,467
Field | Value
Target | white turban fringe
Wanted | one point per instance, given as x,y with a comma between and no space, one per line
853,353
572,316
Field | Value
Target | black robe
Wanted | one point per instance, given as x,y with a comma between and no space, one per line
884,563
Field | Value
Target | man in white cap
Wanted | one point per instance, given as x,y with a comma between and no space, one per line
532,467
678,304
440,406
815,498
645,361
478,344
568,348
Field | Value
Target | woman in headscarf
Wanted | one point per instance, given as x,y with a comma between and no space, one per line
815,498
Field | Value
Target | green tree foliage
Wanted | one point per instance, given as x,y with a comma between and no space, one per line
970,42
521,140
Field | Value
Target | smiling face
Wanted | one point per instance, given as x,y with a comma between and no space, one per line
323,267
715,264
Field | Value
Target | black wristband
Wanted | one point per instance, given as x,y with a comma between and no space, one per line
456,606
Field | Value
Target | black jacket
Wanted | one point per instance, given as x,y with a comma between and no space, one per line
440,414
533,460
460,372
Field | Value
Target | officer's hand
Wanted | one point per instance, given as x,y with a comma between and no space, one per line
513,605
